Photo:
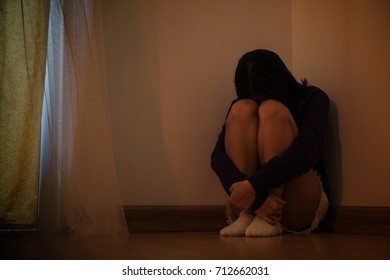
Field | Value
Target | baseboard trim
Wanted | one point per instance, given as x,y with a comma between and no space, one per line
340,219
174,218
358,220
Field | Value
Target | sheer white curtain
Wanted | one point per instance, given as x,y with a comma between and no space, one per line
79,188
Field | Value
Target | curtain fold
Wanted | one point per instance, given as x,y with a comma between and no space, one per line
23,41
79,187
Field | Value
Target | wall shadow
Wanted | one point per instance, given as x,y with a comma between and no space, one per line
144,169
332,157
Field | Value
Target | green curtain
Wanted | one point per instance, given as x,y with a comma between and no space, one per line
23,44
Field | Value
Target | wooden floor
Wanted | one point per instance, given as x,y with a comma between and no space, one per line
194,246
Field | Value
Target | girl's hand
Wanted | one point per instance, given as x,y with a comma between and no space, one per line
242,194
272,209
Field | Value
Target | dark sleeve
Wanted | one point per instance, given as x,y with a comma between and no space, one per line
303,154
225,169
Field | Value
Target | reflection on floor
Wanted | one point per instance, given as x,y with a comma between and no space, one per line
188,245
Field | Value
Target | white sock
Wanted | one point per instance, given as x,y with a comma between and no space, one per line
237,228
258,227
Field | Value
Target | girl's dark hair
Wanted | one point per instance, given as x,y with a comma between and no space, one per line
261,74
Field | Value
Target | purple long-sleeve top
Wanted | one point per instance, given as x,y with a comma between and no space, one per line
310,112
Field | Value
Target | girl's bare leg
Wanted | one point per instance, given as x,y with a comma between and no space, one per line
277,131
241,147
241,136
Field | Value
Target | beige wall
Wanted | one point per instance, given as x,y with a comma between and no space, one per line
171,65
343,46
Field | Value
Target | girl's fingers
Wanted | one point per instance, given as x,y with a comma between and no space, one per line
269,220
277,218
279,200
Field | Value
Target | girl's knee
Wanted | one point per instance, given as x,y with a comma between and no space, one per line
271,109
243,110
